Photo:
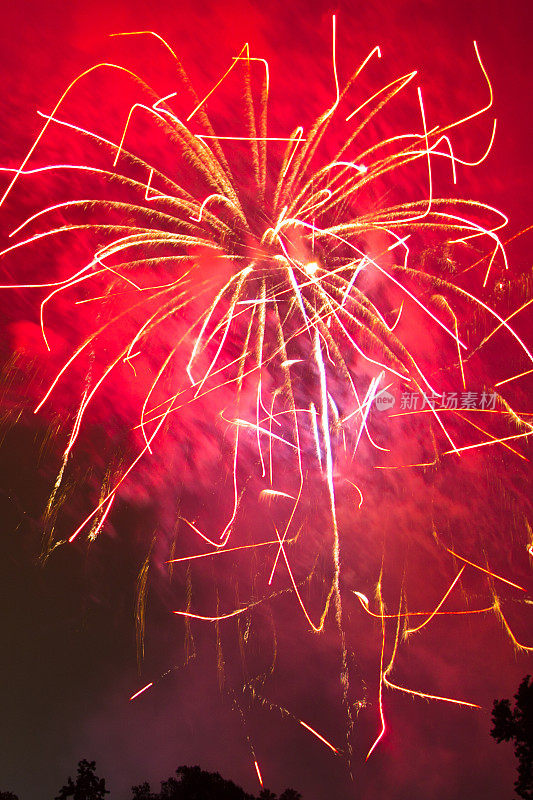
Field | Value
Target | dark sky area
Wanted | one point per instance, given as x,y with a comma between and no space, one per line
68,655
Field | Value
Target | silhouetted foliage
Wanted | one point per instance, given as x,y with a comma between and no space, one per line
88,785
517,724
193,783
8,796
142,792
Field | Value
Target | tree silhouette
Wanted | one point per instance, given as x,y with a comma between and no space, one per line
517,725
8,796
88,785
288,794
193,783
142,792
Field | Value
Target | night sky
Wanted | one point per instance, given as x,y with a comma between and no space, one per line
69,655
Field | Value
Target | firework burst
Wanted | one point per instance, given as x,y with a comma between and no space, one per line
252,296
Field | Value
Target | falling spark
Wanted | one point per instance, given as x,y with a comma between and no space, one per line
148,685
258,773
318,735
